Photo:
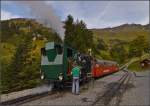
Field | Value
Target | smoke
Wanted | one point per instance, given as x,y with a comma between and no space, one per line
44,14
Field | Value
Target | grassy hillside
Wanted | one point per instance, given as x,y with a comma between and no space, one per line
120,35
14,31
126,32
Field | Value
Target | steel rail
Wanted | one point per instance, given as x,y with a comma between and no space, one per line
111,92
28,98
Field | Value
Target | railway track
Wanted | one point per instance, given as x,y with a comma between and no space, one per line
112,91
29,98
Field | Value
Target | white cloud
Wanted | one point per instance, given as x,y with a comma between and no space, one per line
5,15
104,13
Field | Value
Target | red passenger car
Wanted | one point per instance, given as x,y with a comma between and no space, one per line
103,67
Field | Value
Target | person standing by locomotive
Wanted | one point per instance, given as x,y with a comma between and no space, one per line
75,81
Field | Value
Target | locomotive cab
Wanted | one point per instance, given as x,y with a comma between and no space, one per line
51,61
56,61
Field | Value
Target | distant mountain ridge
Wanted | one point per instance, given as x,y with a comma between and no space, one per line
125,32
124,26
115,27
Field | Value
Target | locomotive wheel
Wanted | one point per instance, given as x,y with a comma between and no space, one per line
58,85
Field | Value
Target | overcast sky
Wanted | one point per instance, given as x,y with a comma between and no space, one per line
96,14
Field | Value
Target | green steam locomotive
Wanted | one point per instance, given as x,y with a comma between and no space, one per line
57,61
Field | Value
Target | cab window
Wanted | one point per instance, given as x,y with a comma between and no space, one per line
59,49
43,51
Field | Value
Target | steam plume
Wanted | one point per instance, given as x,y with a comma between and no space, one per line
45,15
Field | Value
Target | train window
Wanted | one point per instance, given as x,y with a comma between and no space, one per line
58,49
69,52
43,51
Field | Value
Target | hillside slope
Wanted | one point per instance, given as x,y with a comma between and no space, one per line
15,30
126,32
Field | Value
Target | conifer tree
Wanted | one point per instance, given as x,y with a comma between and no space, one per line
19,61
77,35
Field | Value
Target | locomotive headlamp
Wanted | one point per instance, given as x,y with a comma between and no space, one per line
60,77
42,75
